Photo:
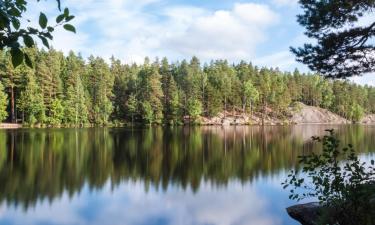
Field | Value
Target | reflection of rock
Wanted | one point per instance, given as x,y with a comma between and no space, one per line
369,119
306,214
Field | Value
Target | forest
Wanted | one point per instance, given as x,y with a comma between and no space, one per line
69,90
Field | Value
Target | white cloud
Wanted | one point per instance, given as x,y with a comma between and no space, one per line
230,34
285,2
368,79
132,30
284,60
129,204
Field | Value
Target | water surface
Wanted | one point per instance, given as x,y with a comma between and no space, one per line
208,175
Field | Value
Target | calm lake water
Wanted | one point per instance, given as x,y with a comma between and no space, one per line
203,176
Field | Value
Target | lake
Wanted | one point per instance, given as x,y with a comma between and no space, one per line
201,175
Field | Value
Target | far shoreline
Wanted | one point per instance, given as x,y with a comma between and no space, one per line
11,126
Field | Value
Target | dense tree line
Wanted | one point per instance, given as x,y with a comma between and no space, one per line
68,90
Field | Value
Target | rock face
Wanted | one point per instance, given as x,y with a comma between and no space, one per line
369,119
10,125
316,115
305,115
306,214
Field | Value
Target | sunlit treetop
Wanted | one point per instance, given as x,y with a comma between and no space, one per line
344,44
16,32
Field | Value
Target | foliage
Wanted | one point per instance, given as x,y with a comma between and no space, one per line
339,180
95,92
194,108
344,47
12,29
251,94
147,112
132,106
3,103
57,112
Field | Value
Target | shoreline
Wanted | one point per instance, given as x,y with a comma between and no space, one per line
5,126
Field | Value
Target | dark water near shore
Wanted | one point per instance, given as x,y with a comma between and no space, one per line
203,175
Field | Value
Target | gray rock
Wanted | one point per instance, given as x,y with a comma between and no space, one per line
306,214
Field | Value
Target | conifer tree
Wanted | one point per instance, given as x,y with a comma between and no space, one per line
132,106
100,82
11,79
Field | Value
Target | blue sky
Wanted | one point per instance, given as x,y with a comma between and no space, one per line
250,30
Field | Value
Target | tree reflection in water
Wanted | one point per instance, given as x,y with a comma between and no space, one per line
37,164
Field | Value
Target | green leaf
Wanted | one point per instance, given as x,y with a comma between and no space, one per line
28,40
43,20
45,41
60,18
14,12
16,24
69,18
66,12
17,56
28,61
70,27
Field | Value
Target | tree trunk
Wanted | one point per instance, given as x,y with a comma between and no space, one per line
225,105
12,117
251,109
264,110
244,104
185,105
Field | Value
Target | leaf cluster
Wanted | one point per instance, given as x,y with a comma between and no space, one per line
13,29
344,47
343,184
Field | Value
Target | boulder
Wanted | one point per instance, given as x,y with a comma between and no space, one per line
306,214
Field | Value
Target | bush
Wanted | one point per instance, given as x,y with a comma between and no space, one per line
342,183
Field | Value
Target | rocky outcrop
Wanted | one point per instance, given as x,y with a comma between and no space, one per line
306,214
231,118
10,125
368,119
302,114
315,115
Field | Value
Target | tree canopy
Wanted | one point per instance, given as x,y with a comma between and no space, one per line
73,91
343,41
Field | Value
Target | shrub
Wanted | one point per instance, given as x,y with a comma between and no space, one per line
342,183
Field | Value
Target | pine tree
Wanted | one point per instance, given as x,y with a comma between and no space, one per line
194,108
56,112
48,72
132,106
100,84
75,108
121,75
151,91
147,112
170,94
31,102
11,78
251,95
